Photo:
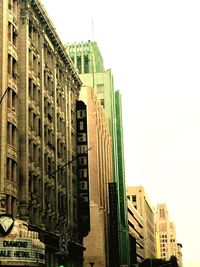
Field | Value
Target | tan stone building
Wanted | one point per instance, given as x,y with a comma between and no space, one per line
100,173
167,233
136,234
139,199
180,255
38,91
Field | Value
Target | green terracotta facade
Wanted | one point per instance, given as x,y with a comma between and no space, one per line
89,63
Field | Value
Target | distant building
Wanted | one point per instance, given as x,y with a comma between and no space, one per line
158,255
100,173
138,198
39,89
167,233
89,63
180,255
136,234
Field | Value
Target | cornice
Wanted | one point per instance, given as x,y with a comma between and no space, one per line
50,30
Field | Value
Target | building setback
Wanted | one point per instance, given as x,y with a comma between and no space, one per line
100,173
89,63
39,88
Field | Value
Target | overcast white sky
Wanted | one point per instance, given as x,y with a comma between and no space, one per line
153,49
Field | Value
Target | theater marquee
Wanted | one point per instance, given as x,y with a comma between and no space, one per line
18,245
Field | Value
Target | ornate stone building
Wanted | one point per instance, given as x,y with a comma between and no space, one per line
39,88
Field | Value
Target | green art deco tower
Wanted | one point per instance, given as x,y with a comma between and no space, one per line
124,236
89,63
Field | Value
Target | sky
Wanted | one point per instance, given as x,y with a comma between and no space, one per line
153,49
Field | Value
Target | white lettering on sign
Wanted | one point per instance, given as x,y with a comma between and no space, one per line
21,250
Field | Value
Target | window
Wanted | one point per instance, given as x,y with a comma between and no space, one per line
12,99
86,64
102,101
11,170
100,88
11,134
9,32
133,198
79,63
162,213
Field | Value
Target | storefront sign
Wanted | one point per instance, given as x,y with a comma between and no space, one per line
21,250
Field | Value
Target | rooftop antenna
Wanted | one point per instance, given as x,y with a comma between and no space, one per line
92,30
92,55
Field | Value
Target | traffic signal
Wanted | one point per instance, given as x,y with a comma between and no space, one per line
61,261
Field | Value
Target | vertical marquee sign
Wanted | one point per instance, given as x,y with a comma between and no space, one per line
82,159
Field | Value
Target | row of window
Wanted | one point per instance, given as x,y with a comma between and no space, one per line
34,122
34,153
163,236
34,35
61,101
35,184
48,83
79,62
163,240
34,92
61,148
49,57
132,198
34,63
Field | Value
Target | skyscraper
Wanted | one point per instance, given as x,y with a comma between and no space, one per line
89,63
39,87
167,233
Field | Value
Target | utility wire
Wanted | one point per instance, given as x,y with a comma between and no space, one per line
51,174
3,95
